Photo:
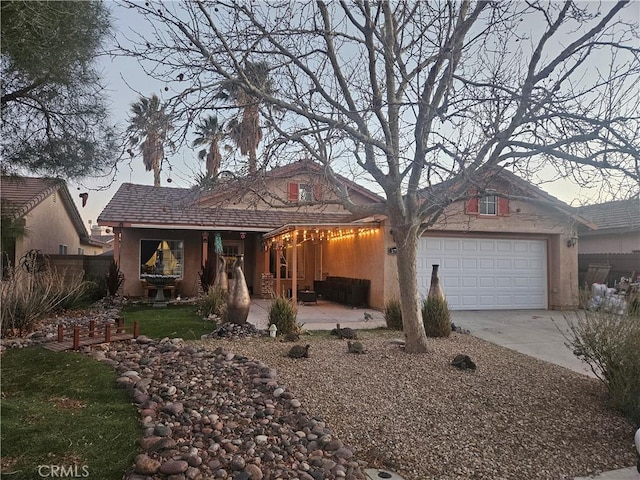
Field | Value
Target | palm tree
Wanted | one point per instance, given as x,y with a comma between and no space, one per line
150,121
209,132
246,132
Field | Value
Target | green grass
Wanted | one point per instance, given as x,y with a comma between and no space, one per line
64,409
173,321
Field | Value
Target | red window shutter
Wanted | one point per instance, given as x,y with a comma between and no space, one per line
292,192
473,204
318,193
503,206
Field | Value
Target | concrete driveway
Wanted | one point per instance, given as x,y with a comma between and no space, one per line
538,333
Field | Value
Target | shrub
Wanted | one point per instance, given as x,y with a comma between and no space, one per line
634,306
114,278
436,317
609,344
282,314
393,314
26,297
96,287
214,302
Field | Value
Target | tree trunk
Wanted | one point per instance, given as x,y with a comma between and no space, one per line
253,161
156,172
407,243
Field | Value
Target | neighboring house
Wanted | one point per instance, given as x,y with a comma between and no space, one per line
493,253
105,237
615,242
51,220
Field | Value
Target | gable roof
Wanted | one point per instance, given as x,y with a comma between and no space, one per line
20,195
145,206
615,215
290,170
518,186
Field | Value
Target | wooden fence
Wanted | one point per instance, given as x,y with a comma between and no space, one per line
621,265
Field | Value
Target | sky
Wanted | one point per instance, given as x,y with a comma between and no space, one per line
125,81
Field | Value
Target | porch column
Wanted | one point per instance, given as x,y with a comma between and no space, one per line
294,268
205,247
265,259
278,254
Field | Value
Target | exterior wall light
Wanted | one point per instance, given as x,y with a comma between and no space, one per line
572,242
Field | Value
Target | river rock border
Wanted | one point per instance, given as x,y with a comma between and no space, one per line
213,414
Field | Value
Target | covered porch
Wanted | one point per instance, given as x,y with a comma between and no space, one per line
300,257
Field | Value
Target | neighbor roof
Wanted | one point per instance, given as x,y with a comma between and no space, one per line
619,214
20,195
164,207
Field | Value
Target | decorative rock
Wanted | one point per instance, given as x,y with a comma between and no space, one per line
333,445
146,465
214,414
173,467
343,453
237,463
254,472
144,340
162,430
173,408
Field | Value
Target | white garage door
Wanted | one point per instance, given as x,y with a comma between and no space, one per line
484,273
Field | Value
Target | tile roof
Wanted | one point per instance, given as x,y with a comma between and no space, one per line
620,214
144,204
23,194
20,195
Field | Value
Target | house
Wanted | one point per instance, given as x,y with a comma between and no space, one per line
615,242
493,253
50,218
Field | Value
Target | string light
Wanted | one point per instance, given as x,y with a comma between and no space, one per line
318,234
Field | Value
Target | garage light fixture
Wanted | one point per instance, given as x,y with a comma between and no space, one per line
572,242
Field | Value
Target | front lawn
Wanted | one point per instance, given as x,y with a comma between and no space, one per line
173,321
63,410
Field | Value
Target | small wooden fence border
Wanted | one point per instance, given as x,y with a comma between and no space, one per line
93,333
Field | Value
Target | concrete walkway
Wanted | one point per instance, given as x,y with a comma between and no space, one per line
538,333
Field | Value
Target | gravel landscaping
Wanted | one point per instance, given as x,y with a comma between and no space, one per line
514,417
239,408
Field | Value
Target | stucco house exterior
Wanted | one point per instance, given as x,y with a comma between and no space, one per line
615,242
493,253
52,221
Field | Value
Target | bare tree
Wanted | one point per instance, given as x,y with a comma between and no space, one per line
409,95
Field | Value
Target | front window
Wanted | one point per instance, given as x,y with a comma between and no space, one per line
305,193
161,257
489,205
62,249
